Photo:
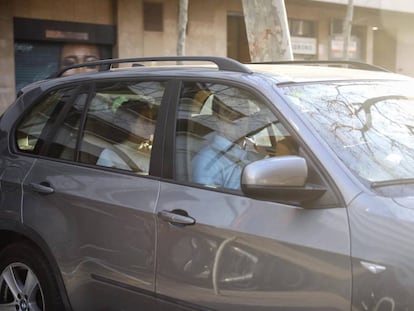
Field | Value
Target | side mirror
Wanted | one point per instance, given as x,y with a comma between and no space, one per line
281,179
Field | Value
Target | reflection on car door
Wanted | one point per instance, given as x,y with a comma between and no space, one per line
100,225
242,253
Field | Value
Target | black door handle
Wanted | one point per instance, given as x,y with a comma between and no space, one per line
177,217
43,188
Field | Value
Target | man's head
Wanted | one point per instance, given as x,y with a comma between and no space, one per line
137,117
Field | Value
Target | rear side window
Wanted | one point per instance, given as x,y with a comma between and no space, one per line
64,135
109,125
31,132
120,125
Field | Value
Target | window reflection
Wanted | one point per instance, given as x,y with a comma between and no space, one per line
120,126
221,129
368,125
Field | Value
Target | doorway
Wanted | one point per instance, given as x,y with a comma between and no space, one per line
237,44
385,46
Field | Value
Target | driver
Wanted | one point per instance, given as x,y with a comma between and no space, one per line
220,163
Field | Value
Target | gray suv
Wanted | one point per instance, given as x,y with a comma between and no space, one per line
283,186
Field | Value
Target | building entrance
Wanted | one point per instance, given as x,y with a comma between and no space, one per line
384,49
237,44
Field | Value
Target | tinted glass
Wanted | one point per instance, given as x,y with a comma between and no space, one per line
39,122
220,129
369,125
120,125
63,143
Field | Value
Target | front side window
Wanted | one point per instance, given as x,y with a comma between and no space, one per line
120,125
220,129
369,125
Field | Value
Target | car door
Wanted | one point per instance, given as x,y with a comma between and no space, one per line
97,219
221,250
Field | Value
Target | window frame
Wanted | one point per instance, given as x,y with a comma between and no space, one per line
156,163
29,108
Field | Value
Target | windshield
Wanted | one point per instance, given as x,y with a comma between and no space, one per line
369,125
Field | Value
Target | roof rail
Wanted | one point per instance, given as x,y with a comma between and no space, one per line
223,63
336,63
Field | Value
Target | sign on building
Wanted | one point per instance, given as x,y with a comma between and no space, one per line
303,45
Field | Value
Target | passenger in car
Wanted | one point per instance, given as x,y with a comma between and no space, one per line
134,125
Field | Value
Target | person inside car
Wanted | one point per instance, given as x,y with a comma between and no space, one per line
220,163
134,124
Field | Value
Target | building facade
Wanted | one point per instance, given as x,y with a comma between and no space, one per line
35,32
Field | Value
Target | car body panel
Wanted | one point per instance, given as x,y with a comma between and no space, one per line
101,232
12,169
382,244
242,253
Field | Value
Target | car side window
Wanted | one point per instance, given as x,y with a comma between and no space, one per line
63,144
120,125
35,128
220,129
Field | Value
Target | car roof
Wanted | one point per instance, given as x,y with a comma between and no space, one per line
292,73
281,72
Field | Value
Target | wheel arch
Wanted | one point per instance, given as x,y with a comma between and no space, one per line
14,232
